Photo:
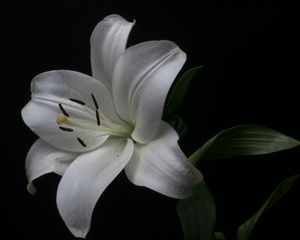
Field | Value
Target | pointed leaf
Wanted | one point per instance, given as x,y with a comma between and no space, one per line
178,91
246,228
197,214
178,124
219,236
244,140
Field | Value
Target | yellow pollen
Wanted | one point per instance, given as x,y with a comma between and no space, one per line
61,118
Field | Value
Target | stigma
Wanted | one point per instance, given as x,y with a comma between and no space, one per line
61,118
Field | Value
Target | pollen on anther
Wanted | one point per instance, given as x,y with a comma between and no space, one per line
77,101
81,142
95,101
98,118
66,129
63,110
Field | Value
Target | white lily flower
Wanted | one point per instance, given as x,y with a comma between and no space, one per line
91,128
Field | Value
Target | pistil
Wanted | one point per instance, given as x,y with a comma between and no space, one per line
63,119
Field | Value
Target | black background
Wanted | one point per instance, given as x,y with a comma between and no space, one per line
250,75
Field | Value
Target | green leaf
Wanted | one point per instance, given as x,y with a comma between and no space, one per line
243,140
178,124
245,230
178,91
219,236
197,214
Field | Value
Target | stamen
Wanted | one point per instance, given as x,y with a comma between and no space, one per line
98,118
63,110
81,142
95,102
77,101
61,118
71,125
66,129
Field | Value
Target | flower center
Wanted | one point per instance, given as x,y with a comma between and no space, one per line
66,123
63,119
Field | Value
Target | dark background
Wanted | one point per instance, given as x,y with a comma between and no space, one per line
250,75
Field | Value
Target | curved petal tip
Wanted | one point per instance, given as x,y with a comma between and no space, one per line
31,188
78,233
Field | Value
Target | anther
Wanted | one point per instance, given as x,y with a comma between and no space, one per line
63,110
66,129
95,101
98,118
81,142
77,101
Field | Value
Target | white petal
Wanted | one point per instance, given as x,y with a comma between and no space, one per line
57,87
161,166
41,117
86,179
108,43
70,84
141,81
42,158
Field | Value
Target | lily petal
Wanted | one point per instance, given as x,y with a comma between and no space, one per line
42,158
161,166
75,85
108,43
52,91
141,81
86,179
